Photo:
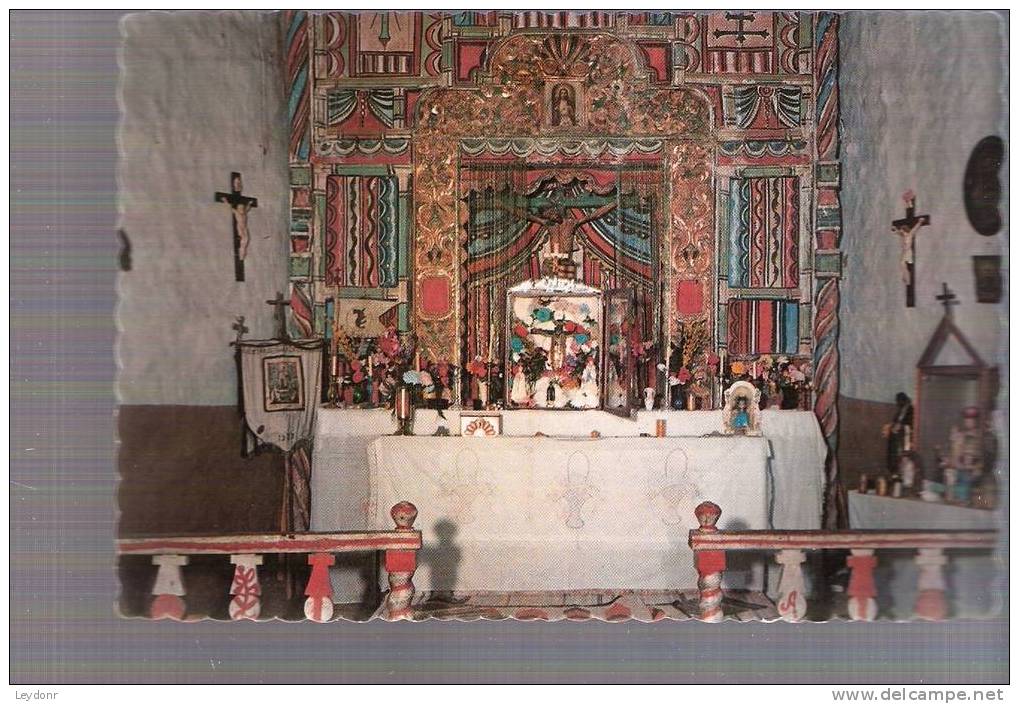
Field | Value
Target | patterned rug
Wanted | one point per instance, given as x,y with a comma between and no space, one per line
643,606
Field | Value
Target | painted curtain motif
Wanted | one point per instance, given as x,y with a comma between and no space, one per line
763,326
764,232
361,231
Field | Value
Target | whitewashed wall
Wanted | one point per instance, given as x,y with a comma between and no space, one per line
919,90
201,96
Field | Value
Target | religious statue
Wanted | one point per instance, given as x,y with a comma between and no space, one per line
560,227
518,393
741,414
589,385
966,445
564,105
899,432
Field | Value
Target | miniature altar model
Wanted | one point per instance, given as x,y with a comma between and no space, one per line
554,357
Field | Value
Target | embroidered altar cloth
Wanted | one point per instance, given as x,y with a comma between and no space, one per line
518,514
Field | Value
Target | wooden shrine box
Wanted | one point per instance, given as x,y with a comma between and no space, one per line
568,348
951,376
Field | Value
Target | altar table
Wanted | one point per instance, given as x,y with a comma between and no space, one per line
976,579
532,514
790,462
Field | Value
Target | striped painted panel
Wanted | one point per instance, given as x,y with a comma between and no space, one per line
763,232
763,326
362,219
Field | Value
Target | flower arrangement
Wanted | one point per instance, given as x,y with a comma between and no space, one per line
692,366
784,380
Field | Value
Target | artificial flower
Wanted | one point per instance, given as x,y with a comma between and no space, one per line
542,315
684,375
358,376
411,377
738,368
425,379
767,362
712,359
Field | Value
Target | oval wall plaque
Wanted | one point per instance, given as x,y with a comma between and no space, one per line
982,188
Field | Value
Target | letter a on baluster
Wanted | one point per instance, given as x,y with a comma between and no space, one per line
245,588
319,605
168,588
792,603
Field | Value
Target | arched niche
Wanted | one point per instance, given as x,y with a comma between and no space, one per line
564,94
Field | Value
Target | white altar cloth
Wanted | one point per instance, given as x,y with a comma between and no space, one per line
341,481
528,514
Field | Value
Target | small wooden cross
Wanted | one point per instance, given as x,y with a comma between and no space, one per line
239,206
280,304
947,298
906,228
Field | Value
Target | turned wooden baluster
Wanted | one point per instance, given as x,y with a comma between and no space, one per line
168,588
792,604
931,604
710,565
245,588
400,566
861,590
319,605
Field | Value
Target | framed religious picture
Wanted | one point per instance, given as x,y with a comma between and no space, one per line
480,425
554,345
987,276
283,383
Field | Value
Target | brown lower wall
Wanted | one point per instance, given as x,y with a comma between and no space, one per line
182,472
861,447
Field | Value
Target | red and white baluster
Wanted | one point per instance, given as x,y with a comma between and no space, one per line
319,604
792,603
169,588
931,604
861,590
710,565
245,588
400,566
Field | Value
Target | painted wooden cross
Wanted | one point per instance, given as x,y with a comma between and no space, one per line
906,228
280,304
947,298
741,33
239,206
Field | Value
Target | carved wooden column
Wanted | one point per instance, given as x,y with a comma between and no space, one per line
319,604
792,603
710,565
168,588
245,588
931,604
400,566
861,591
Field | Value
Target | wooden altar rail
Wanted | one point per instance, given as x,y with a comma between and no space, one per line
710,545
169,554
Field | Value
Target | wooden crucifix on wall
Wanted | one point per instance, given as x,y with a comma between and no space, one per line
239,206
906,228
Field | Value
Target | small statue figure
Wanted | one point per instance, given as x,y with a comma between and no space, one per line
742,412
899,432
649,398
966,444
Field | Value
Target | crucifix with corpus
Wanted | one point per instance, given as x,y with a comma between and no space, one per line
239,205
906,228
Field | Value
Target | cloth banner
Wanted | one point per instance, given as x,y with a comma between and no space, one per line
281,382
